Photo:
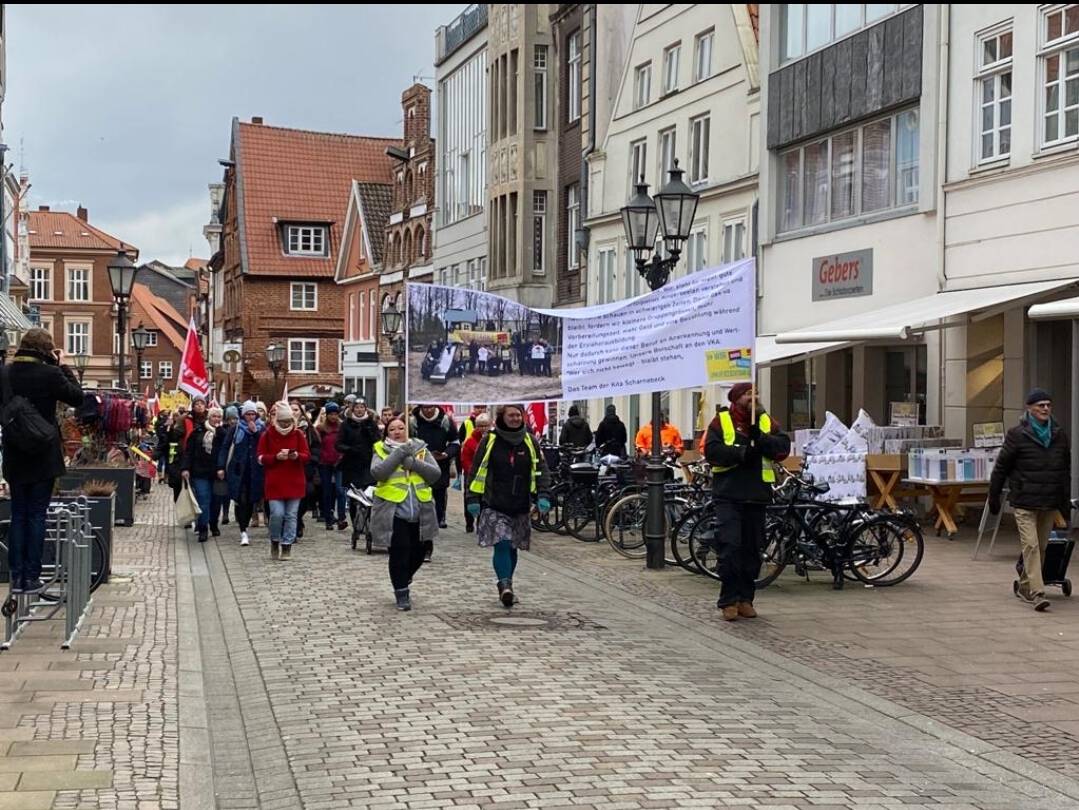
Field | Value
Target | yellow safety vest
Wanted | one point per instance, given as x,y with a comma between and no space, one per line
479,479
395,488
469,427
768,472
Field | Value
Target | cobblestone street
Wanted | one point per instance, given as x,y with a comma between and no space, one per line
298,685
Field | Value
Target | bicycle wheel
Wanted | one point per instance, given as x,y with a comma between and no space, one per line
778,534
702,545
886,551
624,526
679,540
578,513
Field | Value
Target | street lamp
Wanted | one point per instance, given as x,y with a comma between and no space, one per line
80,360
391,330
122,272
140,339
670,214
275,356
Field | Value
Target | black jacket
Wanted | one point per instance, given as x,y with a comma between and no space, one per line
611,436
441,437
744,483
509,471
194,458
1038,477
43,382
356,444
576,431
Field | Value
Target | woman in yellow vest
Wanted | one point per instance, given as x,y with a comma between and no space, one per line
508,475
403,515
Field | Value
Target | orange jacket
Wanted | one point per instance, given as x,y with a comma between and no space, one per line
668,435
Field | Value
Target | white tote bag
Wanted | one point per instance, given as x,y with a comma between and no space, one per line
187,507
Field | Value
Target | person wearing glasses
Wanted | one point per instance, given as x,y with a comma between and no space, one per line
1035,463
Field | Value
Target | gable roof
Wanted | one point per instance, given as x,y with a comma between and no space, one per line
291,175
377,202
60,229
163,316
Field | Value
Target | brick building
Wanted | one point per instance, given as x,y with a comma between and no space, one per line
282,220
69,283
408,234
159,365
566,23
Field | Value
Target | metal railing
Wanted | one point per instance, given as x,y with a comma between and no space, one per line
69,536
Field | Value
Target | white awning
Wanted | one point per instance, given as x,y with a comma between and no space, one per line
1055,310
770,353
898,321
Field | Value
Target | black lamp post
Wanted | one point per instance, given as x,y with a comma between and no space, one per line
80,360
391,330
671,216
140,339
275,356
122,272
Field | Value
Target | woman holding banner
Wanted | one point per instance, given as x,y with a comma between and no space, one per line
507,476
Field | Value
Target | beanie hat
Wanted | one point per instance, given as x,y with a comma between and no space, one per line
610,410
249,407
737,391
231,412
332,407
1038,395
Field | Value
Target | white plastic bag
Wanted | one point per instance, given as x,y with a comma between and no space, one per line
187,506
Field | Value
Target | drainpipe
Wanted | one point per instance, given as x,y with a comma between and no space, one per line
594,68
941,179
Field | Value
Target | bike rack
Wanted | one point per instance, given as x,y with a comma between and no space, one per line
67,578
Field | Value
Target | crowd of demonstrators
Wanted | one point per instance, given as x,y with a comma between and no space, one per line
480,424
743,444
283,453
611,436
37,373
669,437
508,476
403,514
435,427
1035,463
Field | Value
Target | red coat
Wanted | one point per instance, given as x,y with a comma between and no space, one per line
468,453
284,479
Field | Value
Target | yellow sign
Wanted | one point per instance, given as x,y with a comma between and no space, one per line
729,365
171,400
466,336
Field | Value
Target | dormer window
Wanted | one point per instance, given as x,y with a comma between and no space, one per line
305,240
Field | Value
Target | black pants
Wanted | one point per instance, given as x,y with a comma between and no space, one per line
470,522
244,510
441,495
406,553
739,540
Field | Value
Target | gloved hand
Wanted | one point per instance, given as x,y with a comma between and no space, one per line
994,504
473,508
543,505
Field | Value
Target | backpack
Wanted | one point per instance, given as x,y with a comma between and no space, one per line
24,428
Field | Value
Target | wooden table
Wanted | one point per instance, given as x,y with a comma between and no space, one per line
947,495
885,471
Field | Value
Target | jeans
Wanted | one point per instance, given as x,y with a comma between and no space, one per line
504,560
283,520
333,493
204,493
406,553
26,537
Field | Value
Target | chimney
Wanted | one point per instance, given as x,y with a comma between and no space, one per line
43,208
256,119
82,214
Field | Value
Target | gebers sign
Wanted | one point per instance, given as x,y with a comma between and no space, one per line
843,275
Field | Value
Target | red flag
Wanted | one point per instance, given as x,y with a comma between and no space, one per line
193,378
537,417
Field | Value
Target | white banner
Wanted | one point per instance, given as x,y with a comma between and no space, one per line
695,331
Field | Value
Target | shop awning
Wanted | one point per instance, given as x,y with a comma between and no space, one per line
11,317
1055,310
899,321
770,353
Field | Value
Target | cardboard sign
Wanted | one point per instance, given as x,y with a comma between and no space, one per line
903,414
988,434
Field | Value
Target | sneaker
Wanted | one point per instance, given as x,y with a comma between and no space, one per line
33,586
244,541
746,611
505,594
427,555
203,535
730,613
286,551
275,548
1041,604
342,525
403,601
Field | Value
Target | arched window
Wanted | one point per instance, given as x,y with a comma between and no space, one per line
406,257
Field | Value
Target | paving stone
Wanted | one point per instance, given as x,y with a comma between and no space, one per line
65,780
27,800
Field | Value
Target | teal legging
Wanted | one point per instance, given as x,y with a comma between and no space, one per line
505,560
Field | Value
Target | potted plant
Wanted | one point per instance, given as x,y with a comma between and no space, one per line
120,474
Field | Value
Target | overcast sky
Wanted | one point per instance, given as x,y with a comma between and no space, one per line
126,110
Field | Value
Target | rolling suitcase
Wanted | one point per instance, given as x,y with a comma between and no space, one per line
1058,553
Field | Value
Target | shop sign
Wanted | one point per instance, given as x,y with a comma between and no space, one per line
843,275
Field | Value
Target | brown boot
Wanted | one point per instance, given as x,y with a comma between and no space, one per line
275,547
746,611
730,613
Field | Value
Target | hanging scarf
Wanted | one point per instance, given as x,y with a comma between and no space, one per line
1043,432
208,439
283,415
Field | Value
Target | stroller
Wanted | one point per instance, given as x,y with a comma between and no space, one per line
361,526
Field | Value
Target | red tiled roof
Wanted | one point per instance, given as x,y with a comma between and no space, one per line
162,314
755,19
59,229
196,264
299,176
